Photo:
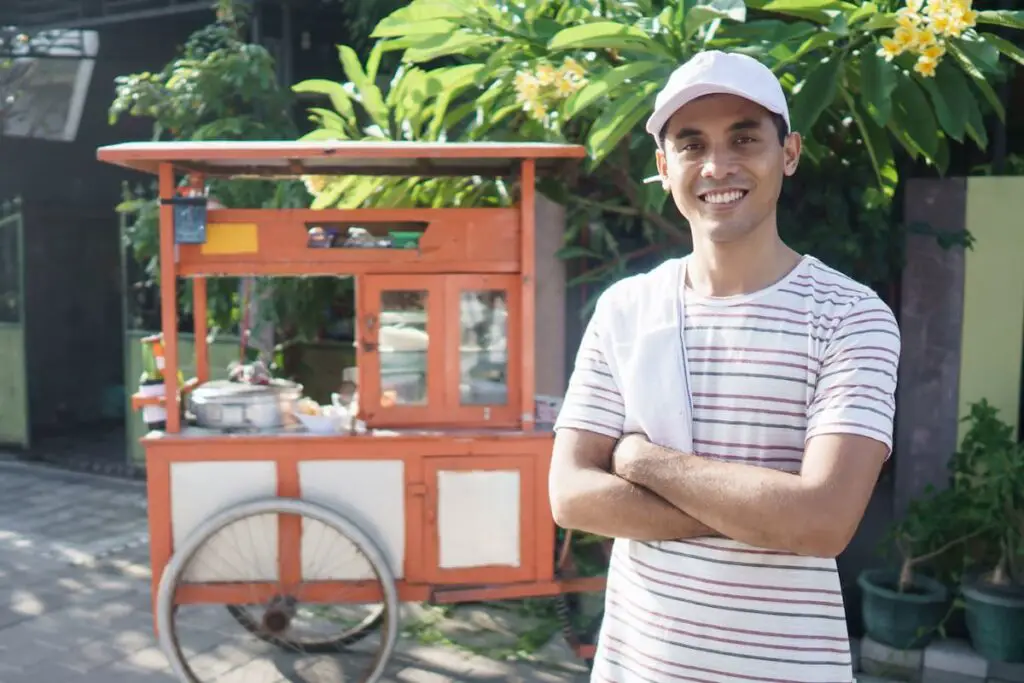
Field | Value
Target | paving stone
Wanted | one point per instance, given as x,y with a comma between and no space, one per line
877,659
956,657
1006,673
75,601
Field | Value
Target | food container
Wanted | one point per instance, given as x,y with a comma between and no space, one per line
221,404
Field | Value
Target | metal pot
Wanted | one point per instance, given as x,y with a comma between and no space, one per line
221,404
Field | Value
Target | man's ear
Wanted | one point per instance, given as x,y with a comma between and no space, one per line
791,150
659,158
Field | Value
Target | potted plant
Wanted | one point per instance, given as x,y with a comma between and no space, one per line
904,608
989,469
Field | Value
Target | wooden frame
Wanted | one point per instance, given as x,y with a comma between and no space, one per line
459,250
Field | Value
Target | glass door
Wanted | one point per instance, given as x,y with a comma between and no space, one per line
483,367
401,350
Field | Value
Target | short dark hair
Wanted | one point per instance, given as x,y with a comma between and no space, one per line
777,119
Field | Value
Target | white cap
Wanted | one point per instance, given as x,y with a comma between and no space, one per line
717,73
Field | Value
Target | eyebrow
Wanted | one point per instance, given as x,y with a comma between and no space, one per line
743,124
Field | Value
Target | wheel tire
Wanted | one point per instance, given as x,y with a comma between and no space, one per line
165,606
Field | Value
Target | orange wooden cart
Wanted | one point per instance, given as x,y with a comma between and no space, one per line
444,496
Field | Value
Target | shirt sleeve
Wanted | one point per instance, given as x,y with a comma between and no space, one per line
856,387
593,401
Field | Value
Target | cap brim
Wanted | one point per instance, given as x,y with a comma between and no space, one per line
653,179
662,114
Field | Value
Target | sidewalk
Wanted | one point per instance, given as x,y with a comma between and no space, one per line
75,605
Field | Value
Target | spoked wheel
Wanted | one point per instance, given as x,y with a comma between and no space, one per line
271,632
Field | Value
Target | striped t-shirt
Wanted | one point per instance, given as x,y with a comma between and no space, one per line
815,353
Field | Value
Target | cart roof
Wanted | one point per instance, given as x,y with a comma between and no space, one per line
291,158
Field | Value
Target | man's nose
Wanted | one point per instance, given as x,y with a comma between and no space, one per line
717,164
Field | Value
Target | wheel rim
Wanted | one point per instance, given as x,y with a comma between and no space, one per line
286,658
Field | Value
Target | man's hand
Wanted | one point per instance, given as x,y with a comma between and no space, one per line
814,513
586,496
628,456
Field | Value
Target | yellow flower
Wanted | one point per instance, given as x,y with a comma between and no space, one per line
538,110
564,86
925,66
905,37
890,49
908,19
527,87
573,68
545,74
923,38
933,52
315,184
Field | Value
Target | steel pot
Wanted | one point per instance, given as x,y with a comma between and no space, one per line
221,404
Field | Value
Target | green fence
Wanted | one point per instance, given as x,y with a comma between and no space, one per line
14,419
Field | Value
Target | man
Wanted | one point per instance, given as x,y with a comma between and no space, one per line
724,561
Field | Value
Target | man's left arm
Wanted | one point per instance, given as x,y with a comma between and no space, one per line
849,437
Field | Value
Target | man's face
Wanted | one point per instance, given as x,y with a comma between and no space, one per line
724,165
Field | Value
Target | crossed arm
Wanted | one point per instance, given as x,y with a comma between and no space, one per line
635,489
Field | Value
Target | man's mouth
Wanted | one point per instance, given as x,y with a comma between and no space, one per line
722,197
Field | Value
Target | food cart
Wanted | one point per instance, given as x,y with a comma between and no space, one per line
435,487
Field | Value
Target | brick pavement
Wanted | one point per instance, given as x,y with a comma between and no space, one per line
74,595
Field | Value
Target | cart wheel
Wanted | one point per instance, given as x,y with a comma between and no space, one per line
348,636
277,640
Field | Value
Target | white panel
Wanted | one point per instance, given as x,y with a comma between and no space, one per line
370,493
243,551
478,519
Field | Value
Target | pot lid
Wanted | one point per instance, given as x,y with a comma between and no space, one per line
222,388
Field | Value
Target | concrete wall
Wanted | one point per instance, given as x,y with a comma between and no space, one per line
993,322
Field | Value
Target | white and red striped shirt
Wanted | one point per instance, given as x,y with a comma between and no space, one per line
815,353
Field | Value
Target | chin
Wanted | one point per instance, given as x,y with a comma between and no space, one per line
724,233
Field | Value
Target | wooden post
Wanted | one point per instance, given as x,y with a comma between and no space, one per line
529,316
169,298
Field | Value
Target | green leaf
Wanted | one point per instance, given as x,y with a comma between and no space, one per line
866,10
709,10
983,54
952,124
323,134
386,29
819,39
373,63
812,10
605,85
913,122
817,91
876,141
975,121
1005,46
369,94
441,45
877,81
1002,17
617,121
608,35
340,99
980,82
419,14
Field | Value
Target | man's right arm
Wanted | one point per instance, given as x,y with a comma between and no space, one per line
584,493
585,496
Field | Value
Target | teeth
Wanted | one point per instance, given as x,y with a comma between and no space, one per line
724,197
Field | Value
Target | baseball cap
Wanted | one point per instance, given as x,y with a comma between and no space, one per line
713,72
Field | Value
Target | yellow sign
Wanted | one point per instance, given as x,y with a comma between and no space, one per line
231,238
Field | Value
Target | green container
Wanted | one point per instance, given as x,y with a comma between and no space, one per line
995,620
907,620
405,240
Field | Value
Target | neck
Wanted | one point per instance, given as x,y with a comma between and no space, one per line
741,267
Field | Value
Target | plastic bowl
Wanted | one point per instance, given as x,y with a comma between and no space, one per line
330,423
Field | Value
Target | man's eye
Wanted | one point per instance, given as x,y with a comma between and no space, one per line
743,140
690,147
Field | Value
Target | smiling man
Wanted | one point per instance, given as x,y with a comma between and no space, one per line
728,414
